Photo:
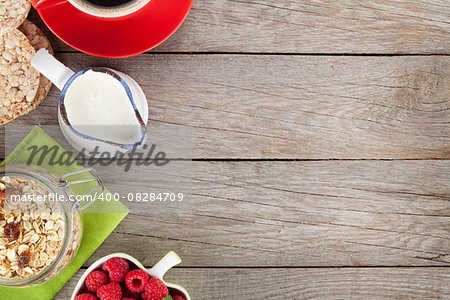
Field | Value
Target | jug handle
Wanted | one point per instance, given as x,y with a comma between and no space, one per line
41,4
165,264
51,68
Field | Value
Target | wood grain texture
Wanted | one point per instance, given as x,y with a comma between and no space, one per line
281,216
330,213
348,283
295,107
317,26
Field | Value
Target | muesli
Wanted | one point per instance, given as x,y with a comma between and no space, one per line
31,232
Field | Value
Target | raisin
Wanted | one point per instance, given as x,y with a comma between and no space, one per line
12,231
24,260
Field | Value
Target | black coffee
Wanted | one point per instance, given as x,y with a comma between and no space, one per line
109,3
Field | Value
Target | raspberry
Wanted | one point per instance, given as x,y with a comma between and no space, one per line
128,299
85,296
117,268
155,289
111,291
136,280
178,297
95,280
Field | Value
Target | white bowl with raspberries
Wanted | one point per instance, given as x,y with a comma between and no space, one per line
120,276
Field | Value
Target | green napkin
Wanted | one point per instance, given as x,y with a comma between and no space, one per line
96,226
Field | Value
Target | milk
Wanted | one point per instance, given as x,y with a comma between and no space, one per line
98,105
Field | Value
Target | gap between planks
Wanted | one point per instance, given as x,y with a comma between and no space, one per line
276,54
296,267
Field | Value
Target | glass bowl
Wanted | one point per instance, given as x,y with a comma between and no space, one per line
65,208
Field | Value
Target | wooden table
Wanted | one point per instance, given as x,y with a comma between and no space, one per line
321,146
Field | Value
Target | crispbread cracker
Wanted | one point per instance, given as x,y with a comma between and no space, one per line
13,13
38,40
19,81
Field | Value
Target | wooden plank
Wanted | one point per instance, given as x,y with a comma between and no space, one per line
295,107
329,213
289,26
324,283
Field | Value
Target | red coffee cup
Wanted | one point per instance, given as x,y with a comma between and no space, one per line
113,28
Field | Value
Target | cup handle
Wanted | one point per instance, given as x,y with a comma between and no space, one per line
40,4
165,264
51,68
